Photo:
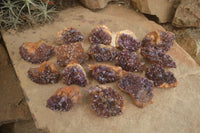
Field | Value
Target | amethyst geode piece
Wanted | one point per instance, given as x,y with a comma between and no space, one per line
158,57
37,52
105,73
64,98
101,52
129,61
100,35
106,101
74,73
160,77
45,74
68,36
160,40
140,89
127,40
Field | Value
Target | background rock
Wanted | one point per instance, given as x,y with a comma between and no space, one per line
189,40
15,116
187,14
12,102
163,9
95,4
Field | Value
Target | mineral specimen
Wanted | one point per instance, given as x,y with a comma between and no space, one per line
64,98
100,35
158,57
68,36
105,73
101,52
74,73
37,52
141,89
46,73
162,40
160,77
68,53
106,101
127,40
129,61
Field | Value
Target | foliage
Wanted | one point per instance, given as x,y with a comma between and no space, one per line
15,13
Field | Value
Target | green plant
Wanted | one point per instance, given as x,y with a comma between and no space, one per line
2,21
44,13
10,6
10,14
27,4
14,13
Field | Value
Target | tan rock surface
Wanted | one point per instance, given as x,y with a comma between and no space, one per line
163,9
95,4
187,14
173,110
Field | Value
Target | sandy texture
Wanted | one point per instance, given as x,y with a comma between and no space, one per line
174,110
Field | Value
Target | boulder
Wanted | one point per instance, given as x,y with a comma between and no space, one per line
187,14
162,9
95,4
12,102
189,40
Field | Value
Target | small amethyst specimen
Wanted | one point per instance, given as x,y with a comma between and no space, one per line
101,52
106,101
129,61
64,99
158,57
127,40
36,52
141,89
105,73
160,76
70,53
74,74
68,36
100,35
46,73
160,40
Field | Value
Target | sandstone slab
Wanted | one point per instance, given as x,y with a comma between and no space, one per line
173,110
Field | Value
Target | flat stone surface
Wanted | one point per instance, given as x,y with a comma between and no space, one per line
173,110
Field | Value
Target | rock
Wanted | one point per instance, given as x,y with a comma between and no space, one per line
12,102
162,9
187,14
189,40
174,110
95,4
